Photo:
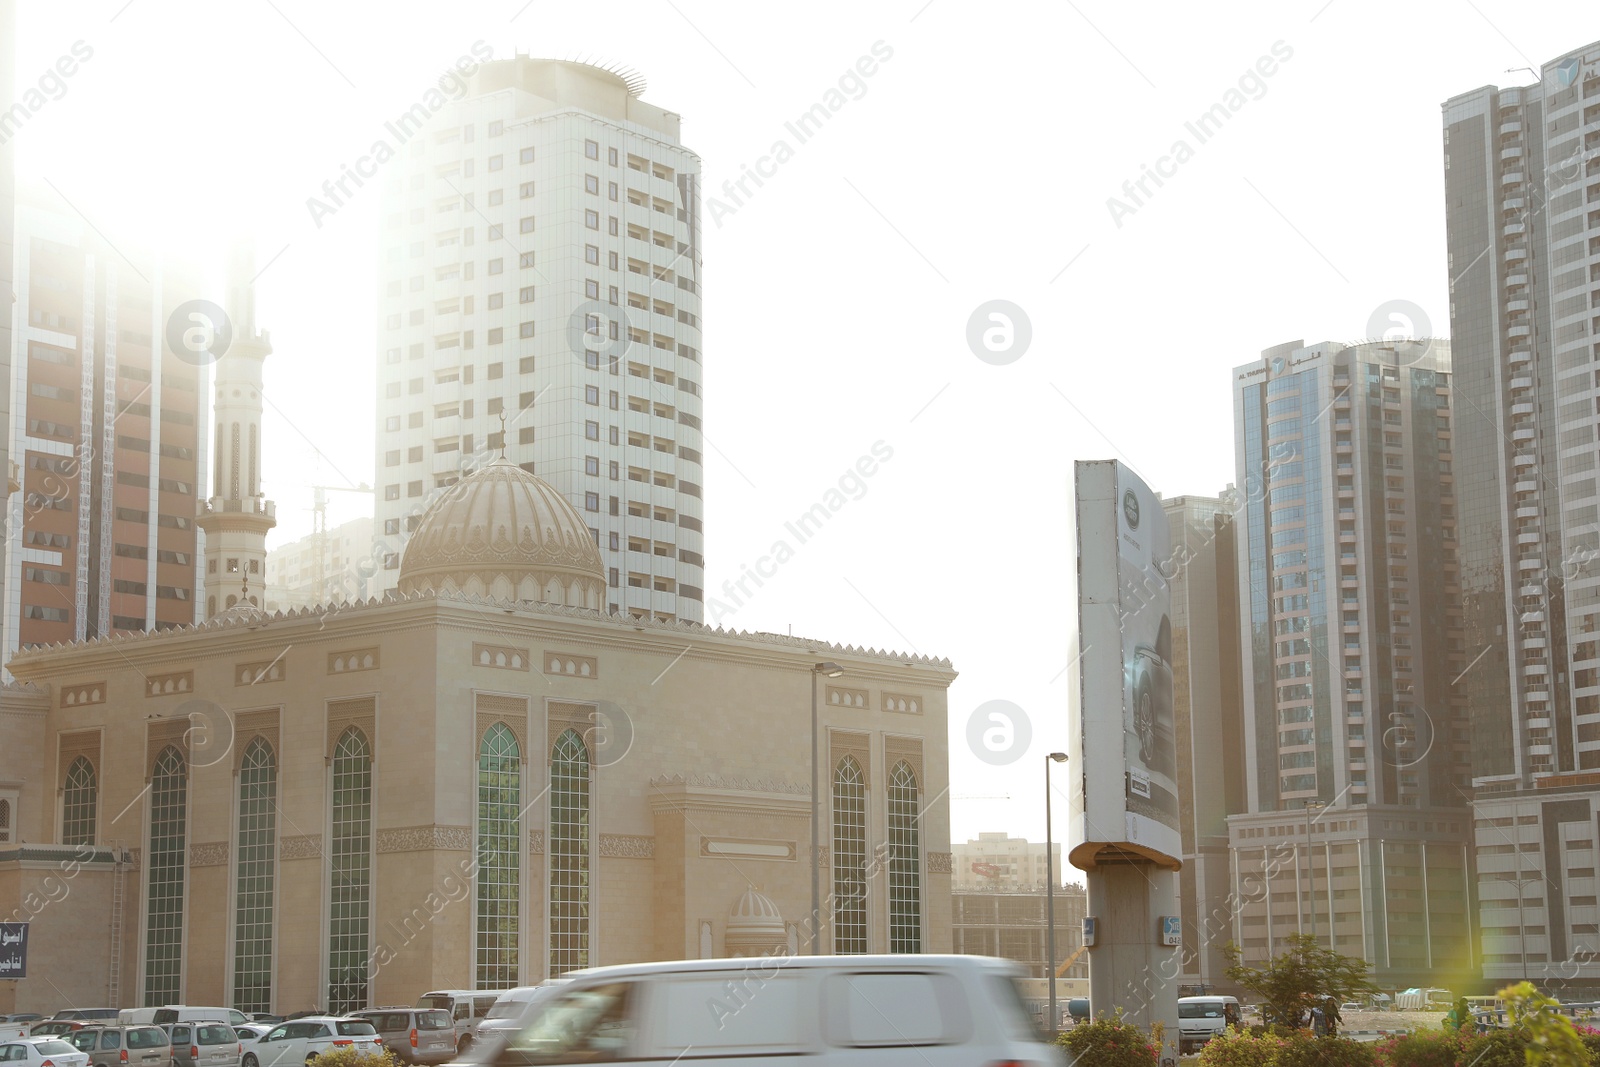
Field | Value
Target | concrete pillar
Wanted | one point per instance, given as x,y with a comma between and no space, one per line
1129,968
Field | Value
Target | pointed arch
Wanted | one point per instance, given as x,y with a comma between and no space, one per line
905,860
164,878
350,863
849,857
569,854
499,859
79,803
255,877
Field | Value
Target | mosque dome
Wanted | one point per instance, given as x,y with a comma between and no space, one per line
755,926
504,533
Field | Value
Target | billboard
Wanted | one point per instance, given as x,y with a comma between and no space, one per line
1121,729
13,950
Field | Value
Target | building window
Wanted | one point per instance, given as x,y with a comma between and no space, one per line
611,156
591,501
252,908
526,190
849,858
591,184
525,329
350,862
496,266
525,295
525,260
525,224
591,149
591,254
905,862
164,893
569,855
499,858
591,465
78,804
525,156
591,395
591,430
591,289
591,219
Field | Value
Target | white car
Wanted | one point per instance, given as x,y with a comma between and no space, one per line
42,1052
299,1042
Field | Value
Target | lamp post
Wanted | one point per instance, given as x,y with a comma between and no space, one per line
1311,863
832,670
1050,891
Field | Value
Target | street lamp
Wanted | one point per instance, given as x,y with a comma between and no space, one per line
1311,864
832,670
1050,890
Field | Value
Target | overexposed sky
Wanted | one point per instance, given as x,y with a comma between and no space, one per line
975,164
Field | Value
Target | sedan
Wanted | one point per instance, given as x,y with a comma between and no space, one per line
42,1052
303,1040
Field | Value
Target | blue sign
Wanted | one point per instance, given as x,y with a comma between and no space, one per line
1567,72
1171,930
1089,924
13,950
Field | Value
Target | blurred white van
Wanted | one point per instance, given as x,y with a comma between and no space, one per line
840,1011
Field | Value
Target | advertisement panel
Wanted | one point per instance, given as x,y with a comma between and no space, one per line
1121,729
13,950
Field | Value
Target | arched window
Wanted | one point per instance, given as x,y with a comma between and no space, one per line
5,820
169,826
905,861
257,851
350,861
849,857
569,854
499,858
78,803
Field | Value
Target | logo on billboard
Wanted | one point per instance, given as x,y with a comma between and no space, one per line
1130,509
1567,72
13,950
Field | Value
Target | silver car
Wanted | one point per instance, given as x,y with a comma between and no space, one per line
116,1046
205,1044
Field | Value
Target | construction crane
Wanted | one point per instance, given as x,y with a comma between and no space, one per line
1070,960
319,530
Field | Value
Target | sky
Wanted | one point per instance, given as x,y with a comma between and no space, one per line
993,154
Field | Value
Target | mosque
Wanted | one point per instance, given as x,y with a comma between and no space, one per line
481,781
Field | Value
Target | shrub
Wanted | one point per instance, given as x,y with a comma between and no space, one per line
1241,1048
1324,1052
350,1056
1109,1043
1497,1048
1425,1048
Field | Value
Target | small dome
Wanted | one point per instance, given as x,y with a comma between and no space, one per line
755,926
502,532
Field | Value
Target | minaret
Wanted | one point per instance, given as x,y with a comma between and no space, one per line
236,517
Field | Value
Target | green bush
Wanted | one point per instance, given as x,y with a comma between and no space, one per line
1325,1052
1497,1048
1108,1043
1425,1048
350,1056
1242,1048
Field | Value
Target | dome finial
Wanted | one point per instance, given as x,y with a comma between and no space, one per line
502,435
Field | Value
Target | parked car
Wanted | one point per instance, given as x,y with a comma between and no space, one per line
86,1015
123,1046
303,1040
38,1051
509,1014
415,1035
834,1011
53,1028
181,1013
1202,1018
205,1044
22,1017
466,1007
265,1017
252,1031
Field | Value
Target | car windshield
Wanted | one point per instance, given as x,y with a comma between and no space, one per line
356,1029
54,1048
214,1035
506,1009
146,1037
84,1040
436,1000
434,1020
1199,1011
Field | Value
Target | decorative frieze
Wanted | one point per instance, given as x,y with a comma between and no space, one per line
308,847
901,702
838,696
743,785
535,842
81,693
939,863
502,656
160,685
747,848
571,665
209,854
627,846
274,670
361,659
433,838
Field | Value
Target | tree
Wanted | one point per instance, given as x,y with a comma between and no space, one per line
1304,977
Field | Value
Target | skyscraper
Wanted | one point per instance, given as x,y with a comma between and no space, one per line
8,210
1522,184
540,277
106,432
1356,747
1206,712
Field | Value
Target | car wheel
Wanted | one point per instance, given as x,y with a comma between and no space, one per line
1144,722
250,1060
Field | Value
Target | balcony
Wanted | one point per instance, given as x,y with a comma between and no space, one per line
1520,355
1521,408
1523,433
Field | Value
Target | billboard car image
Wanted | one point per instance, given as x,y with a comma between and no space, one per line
1123,733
